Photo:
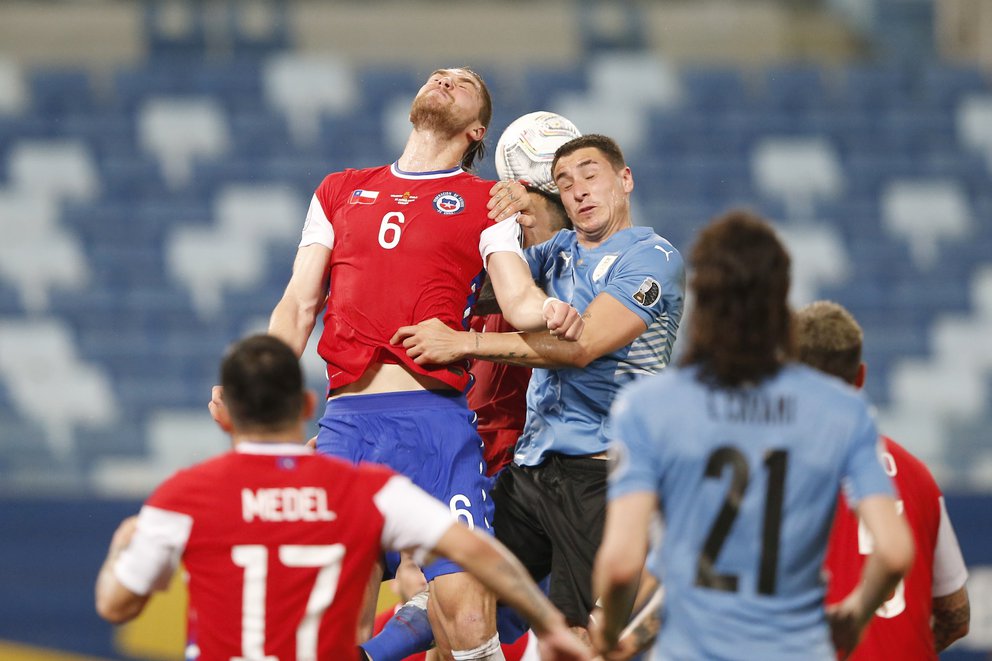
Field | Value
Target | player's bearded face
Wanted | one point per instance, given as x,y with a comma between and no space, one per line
436,111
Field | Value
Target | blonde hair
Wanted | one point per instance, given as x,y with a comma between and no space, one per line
829,339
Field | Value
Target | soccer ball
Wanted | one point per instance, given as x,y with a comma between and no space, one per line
527,147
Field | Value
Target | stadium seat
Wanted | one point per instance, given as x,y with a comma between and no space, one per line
36,255
924,212
981,291
261,213
964,341
945,389
306,87
642,80
50,384
61,169
819,259
205,261
178,131
176,439
798,171
624,122
974,125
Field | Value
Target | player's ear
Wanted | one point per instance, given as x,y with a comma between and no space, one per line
628,180
222,416
309,404
476,131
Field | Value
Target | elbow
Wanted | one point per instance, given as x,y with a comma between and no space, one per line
580,357
112,612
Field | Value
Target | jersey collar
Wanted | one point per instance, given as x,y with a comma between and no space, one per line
436,174
249,447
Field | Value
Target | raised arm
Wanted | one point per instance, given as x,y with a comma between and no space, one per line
609,325
524,305
296,312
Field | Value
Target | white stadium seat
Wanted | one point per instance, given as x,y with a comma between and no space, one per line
946,389
206,260
62,169
624,122
176,439
178,131
304,87
639,79
974,123
819,258
923,212
50,384
797,171
981,292
36,254
266,212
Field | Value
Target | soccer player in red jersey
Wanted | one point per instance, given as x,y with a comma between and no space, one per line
499,393
391,246
279,542
929,609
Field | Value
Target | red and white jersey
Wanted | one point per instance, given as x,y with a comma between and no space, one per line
901,628
499,398
278,544
404,248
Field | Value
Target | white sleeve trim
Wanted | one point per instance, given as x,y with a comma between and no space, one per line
949,570
150,559
504,236
414,519
317,228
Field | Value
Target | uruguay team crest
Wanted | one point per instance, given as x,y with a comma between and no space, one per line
448,203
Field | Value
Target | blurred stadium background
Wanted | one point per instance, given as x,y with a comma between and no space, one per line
157,159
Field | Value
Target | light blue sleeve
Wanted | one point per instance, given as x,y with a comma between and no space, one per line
863,472
635,464
649,280
537,257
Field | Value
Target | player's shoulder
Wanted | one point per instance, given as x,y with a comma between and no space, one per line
648,244
353,176
817,384
908,465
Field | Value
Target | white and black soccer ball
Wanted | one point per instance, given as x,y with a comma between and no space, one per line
527,147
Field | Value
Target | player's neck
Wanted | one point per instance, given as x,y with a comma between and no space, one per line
430,151
289,436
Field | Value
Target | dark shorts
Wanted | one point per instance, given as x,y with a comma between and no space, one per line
551,517
429,436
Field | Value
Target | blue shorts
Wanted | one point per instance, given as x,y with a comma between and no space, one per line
427,435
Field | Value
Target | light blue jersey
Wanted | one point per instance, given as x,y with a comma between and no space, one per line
567,408
747,482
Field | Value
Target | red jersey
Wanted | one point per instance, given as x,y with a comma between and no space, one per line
404,248
499,399
278,544
901,628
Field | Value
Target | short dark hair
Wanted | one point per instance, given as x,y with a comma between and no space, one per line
561,216
263,384
477,150
829,339
741,330
608,146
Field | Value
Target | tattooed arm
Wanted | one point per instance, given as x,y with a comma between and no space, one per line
609,325
951,618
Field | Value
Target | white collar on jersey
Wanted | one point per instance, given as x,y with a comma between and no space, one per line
249,447
436,174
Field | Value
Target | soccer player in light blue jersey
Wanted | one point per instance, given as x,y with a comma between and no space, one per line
629,282
743,452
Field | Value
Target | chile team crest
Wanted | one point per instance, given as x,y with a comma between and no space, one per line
448,203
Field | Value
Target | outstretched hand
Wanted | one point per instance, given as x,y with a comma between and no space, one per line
564,321
431,342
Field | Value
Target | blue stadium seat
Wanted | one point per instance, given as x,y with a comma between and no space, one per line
60,91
